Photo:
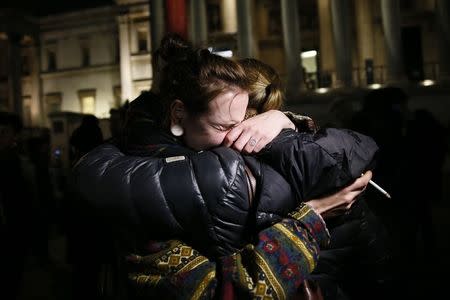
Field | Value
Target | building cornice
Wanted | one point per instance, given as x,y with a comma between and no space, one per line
80,71
131,2
140,56
79,18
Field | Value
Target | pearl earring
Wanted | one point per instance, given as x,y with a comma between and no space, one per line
176,130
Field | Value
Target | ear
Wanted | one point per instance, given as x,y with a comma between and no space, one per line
177,112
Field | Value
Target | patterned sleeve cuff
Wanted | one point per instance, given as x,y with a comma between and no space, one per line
314,223
302,123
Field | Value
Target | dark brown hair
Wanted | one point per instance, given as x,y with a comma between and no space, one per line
195,76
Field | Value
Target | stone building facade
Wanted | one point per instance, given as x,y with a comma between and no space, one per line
92,60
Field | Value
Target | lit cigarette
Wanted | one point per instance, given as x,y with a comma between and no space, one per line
380,189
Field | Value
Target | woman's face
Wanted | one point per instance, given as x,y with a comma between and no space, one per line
209,129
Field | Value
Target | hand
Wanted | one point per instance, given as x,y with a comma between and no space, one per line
253,134
342,201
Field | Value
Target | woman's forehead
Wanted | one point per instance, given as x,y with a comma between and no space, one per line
228,107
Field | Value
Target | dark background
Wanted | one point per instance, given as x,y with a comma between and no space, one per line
43,8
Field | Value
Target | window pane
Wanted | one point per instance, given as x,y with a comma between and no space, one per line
51,60
85,56
54,102
142,40
54,107
88,105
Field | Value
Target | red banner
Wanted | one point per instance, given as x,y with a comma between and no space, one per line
176,17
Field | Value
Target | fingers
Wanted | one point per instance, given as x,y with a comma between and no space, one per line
351,193
342,201
366,177
232,135
253,134
337,211
240,138
244,138
246,142
255,142
360,183
261,144
249,147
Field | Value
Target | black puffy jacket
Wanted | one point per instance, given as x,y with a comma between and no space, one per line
202,197
321,163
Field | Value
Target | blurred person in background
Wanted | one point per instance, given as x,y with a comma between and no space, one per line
86,137
16,203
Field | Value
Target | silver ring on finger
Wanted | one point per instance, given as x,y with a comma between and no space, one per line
252,142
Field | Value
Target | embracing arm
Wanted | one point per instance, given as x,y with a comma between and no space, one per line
320,164
266,126
263,128
280,258
341,201
201,197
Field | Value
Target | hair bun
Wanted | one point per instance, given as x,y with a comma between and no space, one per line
174,48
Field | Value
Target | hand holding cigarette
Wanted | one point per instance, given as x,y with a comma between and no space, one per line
379,188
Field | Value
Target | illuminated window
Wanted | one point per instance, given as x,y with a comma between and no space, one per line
309,67
87,101
88,105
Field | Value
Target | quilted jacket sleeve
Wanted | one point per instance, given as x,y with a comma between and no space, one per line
321,163
202,198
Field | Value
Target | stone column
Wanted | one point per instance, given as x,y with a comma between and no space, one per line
443,21
365,39
292,50
157,22
157,29
197,22
37,108
342,47
327,58
125,59
15,73
390,12
246,32
229,16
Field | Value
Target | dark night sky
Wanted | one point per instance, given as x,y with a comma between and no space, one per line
46,7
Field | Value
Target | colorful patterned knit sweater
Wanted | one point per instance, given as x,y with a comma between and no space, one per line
271,268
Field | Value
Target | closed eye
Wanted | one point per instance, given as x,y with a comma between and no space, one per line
224,127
